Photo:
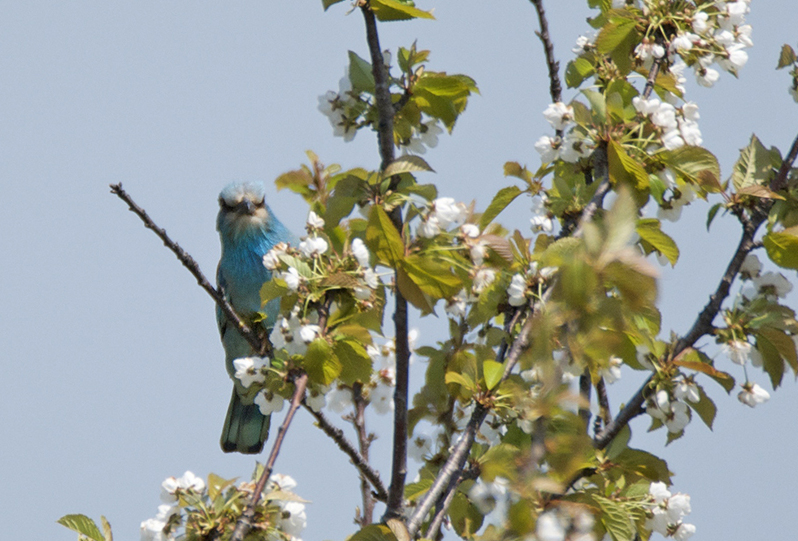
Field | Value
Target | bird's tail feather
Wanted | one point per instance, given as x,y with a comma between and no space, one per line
245,428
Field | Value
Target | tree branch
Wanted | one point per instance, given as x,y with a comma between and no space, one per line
555,87
364,442
218,296
244,524
780,182
346,446
382,96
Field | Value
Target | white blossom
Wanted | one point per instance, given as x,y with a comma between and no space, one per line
249,370
470,230
360,252
371,278
517,290
381,398
483,278
752,395
686,390
313,246
449,212
574,148
269,402
540,215
188,481
612,372
558,115
771,283
548,148
700,22
549,527
293,518
308,333
456,306
272,258
684,532
280,481
751,266
291,278
152,530
739,351
314,221
339,399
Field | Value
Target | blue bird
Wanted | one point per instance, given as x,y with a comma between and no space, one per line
248,230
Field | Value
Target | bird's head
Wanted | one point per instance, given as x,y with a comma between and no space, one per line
242,209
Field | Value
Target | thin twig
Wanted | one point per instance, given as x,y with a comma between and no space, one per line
780,182
193,268
337,435
244,524
382,96
555,87
585,387
603,401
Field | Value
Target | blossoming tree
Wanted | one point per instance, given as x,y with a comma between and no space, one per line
513,429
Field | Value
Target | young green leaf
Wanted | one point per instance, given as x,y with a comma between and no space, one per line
392,10
82,525
501,200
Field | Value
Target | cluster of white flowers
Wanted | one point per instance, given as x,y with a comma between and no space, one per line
341,108
293,519
425,135
564,524
293,334
379,391
773,285
572,146
671,410
667,513
717,35
612,372
443,213
541,218
519,284
152,529
677,127
476,244
313,245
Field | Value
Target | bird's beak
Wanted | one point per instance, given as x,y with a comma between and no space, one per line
246,207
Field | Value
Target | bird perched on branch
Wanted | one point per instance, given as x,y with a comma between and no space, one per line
248,230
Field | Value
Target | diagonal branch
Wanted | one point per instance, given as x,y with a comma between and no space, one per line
192,266
346,446
245,521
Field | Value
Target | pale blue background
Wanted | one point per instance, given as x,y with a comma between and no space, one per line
112,377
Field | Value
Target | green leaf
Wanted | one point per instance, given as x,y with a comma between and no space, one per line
493,373
614,34
787,57
109,535
433,277
625,169
460,379
271,290
407,164
504,197
360,74
705,407
577,71
82,525
328,3
784,347
782,247
321,363
696,165
393,10
649,230
356,362
615,519
499,461
374,532
414,491
412,292
383,239
712,212
753,166
692,359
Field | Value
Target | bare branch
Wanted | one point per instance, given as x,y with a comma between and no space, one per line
250,335
385,109
346,446
244,524
364,442
555,87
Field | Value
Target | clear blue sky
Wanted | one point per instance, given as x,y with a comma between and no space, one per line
112,377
